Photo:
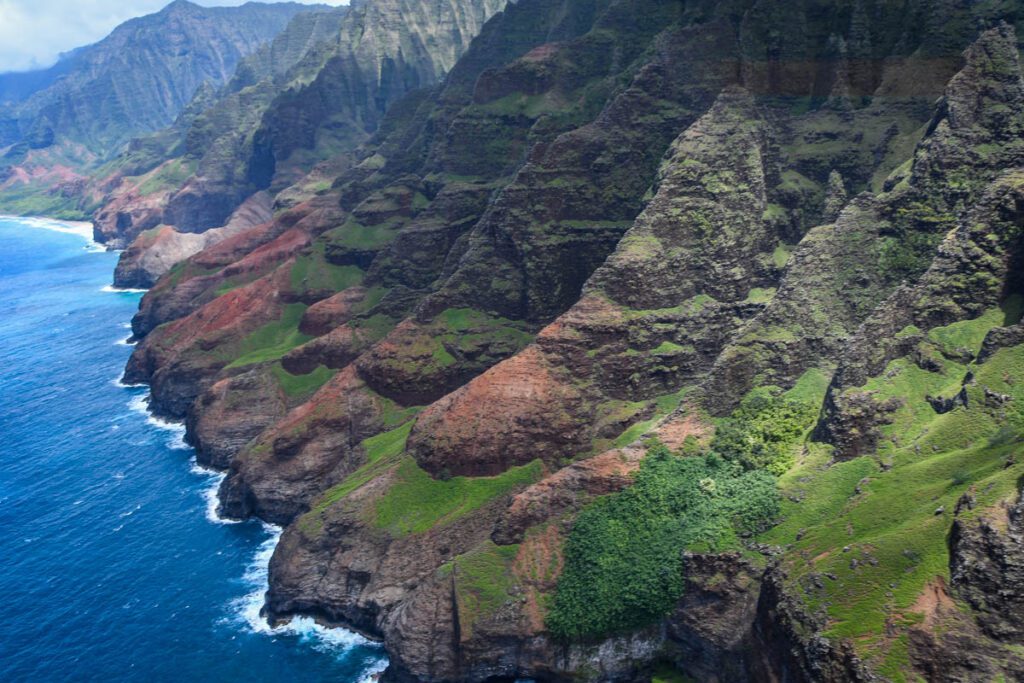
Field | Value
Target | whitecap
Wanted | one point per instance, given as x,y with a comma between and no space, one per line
77,228
246,611
121,384
210,493
111,289
131,512
374,671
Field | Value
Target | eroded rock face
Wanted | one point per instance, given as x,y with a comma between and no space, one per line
177,364
231,413
987,569
504,418
981,241
154,253
313,447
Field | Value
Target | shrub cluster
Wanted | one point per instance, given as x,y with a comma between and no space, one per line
623,559
763,432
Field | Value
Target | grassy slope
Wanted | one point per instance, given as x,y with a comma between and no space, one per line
878,524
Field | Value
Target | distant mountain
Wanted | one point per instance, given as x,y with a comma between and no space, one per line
320,89
136,80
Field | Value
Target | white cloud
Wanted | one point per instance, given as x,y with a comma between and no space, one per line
34,32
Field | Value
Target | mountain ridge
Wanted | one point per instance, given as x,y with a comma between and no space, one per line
649,339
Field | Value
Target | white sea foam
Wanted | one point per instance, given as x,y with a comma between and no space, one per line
127,341
131,512
120,384
210,493
83,230
375,670
140,404
111,289
247,609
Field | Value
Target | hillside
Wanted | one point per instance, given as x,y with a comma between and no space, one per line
610,339
261,137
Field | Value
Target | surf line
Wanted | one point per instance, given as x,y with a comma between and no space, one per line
247,610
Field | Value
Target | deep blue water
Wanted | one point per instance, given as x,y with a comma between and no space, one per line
112,567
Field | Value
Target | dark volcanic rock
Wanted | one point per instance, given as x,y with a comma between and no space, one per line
986,564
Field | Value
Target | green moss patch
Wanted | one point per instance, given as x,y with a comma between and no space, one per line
483,581
169,176
865,537
417,502
273,340
299,386
383,451
313,273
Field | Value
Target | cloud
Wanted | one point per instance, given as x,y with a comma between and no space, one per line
34,32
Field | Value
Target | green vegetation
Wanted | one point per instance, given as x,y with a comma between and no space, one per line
666,673
457,335
312,272
387,445
383,451
182,271
908,250
969,334
760,295
623,559
273,340
299,386
355,235
483,578
764,432
32,200
170,176
879,534
417,502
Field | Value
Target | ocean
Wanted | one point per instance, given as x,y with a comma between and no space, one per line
114,564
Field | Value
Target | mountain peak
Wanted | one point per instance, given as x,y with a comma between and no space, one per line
181,6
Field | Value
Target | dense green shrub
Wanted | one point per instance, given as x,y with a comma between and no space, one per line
763,432
623,558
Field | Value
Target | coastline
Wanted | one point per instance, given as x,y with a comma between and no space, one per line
81,228
249,607
241,614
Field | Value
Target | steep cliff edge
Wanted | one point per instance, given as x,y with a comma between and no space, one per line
656,335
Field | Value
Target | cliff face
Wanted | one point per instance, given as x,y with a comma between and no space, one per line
631,334
316,93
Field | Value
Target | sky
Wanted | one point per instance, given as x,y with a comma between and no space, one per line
34,32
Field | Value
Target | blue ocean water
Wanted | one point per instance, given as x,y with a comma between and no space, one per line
112,564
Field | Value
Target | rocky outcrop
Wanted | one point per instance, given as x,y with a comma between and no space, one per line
987,569
231,413
278,476
154,253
